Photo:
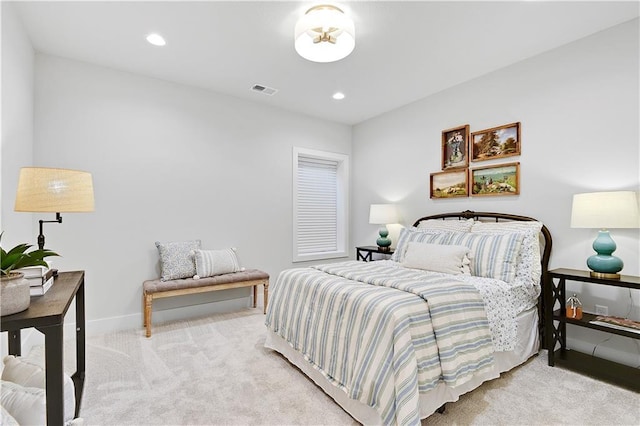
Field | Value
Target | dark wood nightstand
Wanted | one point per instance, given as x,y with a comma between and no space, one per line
556,329
365,253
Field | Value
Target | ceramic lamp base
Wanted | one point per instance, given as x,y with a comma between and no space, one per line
383,242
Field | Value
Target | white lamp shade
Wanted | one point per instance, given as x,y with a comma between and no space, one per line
605,210
324,20
383,214
42,189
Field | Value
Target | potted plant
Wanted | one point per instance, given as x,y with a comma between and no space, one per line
14,294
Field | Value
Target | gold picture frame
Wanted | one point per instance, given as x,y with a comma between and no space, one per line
450,184
497,142
455,148
498,179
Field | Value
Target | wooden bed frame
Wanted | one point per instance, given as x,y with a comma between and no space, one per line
544,257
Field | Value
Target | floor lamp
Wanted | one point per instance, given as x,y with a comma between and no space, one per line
50,190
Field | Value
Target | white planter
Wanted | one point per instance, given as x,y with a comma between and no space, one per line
14,294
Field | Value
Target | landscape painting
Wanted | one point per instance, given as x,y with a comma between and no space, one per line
497,142
449,184
501,179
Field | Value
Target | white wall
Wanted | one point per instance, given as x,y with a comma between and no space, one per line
578,106
169,163
16,92
17,123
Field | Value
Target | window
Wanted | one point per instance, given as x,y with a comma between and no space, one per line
320,204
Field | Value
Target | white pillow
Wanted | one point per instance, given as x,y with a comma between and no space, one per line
25,404
6,419
216,262
25,373
412,234
453,225
528,268
492,256
437,258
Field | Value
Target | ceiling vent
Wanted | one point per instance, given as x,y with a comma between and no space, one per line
264,89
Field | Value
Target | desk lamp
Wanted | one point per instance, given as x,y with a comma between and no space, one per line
50,190
383,214
604,210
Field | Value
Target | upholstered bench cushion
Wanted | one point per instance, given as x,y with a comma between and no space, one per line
155,286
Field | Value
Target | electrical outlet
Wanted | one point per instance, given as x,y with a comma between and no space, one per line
602,310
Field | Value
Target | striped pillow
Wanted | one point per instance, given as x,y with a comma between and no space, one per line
492,256
408,235
439,225
216,262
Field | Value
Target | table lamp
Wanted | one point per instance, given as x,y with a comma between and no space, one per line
50,190
604,210
383,214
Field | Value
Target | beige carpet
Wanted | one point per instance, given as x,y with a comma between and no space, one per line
215,371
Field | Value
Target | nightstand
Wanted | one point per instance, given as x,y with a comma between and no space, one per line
556,329
365,253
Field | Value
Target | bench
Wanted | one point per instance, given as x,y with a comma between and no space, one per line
156,289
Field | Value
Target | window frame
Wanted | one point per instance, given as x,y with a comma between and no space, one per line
342,202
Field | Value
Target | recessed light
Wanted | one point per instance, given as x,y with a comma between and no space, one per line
338,96
156,39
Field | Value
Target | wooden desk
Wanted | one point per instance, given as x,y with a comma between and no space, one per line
46,314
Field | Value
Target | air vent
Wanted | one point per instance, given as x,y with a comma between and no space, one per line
264,89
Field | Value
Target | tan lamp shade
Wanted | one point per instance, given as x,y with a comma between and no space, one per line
42,189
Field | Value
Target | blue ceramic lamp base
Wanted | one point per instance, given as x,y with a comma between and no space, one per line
603,264
383,241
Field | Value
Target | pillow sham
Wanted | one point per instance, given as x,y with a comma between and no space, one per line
528,268
452,225
492,256
216,262
26,405
448,259
408,235
176,259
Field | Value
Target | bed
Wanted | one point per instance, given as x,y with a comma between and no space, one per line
392,341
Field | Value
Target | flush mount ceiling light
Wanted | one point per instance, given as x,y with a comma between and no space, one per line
324,34
156,39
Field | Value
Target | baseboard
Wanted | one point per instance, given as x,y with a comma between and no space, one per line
31,337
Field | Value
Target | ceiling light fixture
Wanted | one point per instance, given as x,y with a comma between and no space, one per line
156,39
324,34
338,96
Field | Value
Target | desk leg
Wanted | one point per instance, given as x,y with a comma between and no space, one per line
53,342
14,343
80,347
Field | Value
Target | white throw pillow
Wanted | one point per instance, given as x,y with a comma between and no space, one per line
25,404
437,258
216,262
26,373
408,235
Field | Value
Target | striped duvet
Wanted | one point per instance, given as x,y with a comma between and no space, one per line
382,334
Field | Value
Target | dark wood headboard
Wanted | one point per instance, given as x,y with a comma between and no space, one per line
544,258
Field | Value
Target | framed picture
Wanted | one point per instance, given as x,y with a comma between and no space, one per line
498,142
500,179
455,147
450,184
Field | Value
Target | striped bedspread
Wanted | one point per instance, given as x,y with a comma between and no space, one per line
381,334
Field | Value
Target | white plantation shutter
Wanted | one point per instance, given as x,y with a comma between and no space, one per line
319,205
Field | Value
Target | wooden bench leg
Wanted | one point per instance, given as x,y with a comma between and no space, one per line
266,295
148,300
255,295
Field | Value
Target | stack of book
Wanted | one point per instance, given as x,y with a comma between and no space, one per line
40,278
